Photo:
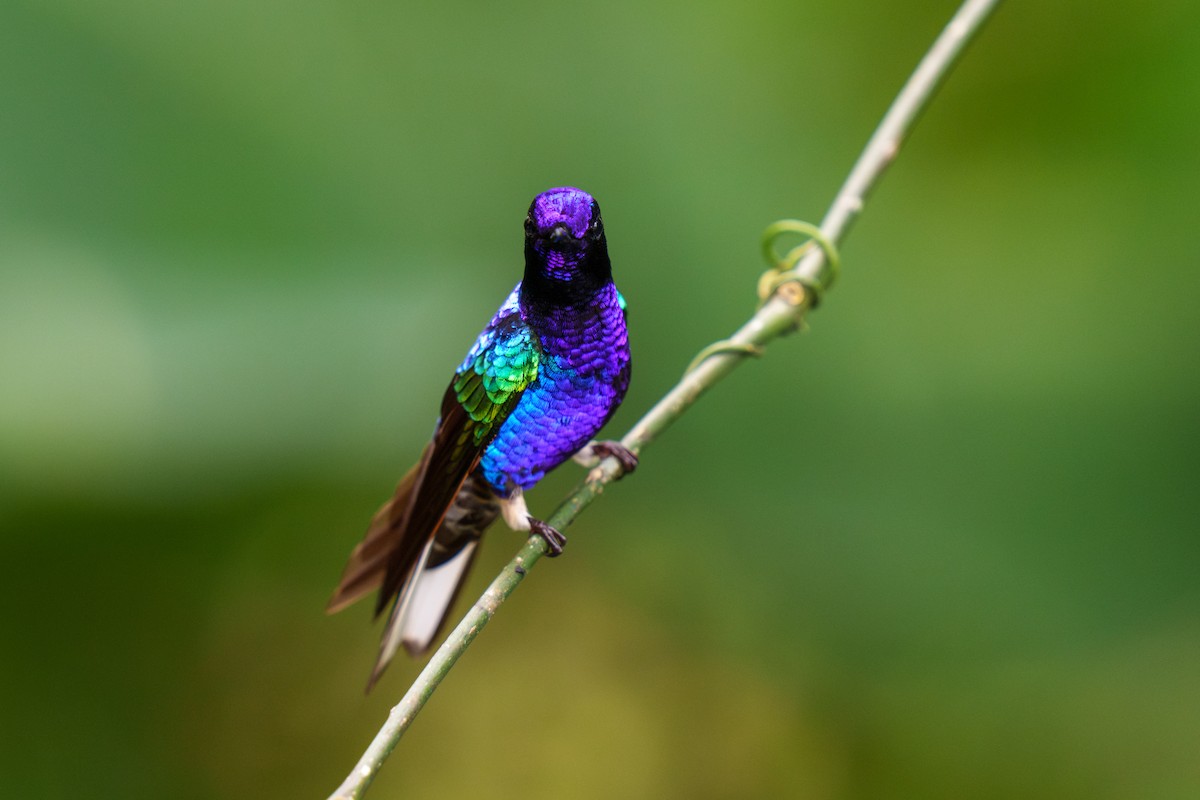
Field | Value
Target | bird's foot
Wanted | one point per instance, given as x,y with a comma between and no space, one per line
595,452
554,539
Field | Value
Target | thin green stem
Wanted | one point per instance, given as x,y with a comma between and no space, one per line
778,316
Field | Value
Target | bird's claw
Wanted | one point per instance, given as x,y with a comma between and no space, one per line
620,452
554,540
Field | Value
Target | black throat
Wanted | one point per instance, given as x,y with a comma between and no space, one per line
591,273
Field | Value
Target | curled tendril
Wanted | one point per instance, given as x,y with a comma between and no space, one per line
783,271
783,268
723,346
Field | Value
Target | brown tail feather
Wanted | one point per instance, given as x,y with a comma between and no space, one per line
420,611
401,537
368,561
473,511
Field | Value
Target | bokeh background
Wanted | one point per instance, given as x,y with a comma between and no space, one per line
942,545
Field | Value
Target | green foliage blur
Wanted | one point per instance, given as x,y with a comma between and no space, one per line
942,545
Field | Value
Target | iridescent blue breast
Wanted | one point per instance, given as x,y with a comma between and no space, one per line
582,378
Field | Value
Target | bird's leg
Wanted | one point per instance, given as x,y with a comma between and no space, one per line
516,516
594,452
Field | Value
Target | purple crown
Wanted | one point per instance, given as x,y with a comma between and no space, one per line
566,204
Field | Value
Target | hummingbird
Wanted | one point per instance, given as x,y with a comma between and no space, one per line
537,385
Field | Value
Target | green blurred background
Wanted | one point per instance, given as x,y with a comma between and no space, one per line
943,545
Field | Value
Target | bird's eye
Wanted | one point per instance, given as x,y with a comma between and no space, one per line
595,227
529,224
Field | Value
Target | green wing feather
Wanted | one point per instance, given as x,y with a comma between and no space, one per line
488,385
485,389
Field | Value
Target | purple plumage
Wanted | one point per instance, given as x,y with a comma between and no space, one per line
540,381
568,205
583,373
